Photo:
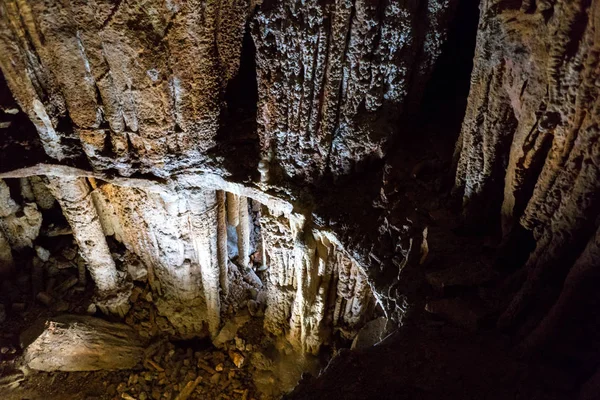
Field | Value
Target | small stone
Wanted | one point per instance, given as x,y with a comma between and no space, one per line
219,367
61,306
253,308
44,298
4,350
121,387
69,253
215,379
149,297
135,294
260,361
253,293
111,390
42,253
137,271
143,396
91,309
240,344
237,358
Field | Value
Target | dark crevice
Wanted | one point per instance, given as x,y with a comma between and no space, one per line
436,126
20,144
237,136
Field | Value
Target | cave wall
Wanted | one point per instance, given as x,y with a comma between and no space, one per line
334,78
134,86
528,157
122,89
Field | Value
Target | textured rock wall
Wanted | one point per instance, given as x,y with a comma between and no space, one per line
314,287
333,78
529,150
135,86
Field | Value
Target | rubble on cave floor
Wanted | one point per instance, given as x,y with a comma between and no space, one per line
244,359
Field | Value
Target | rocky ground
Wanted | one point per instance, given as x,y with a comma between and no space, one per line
51,284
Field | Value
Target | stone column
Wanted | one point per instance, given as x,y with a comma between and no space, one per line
243,233
74,197
222,254
204,233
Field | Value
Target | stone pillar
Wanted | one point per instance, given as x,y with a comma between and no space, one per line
204,233
74,197
222,254
243,233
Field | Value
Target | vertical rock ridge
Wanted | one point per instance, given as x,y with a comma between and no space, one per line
314,288
550,58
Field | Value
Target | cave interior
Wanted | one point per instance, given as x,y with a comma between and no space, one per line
300,199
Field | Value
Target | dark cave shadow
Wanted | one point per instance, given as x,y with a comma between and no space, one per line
237,137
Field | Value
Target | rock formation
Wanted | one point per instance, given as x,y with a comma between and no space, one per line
241,165
76,343
528,154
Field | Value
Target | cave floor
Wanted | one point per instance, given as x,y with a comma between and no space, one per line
424,360
432,360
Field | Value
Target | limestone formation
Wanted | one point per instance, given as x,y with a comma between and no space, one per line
243,232
333,78
223,163
80,343
528,150
20,224
122,83
74,197
313,286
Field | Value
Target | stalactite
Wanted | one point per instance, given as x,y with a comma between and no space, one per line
74,197
243,232
222,255
313,286
233,212
204,234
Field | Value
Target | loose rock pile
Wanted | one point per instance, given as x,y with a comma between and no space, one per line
173,372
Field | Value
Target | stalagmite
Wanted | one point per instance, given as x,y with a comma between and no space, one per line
204,233
233,213
243,233
75,200
222,242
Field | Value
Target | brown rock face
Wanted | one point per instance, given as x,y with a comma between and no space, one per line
131,85
529,151
335,76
